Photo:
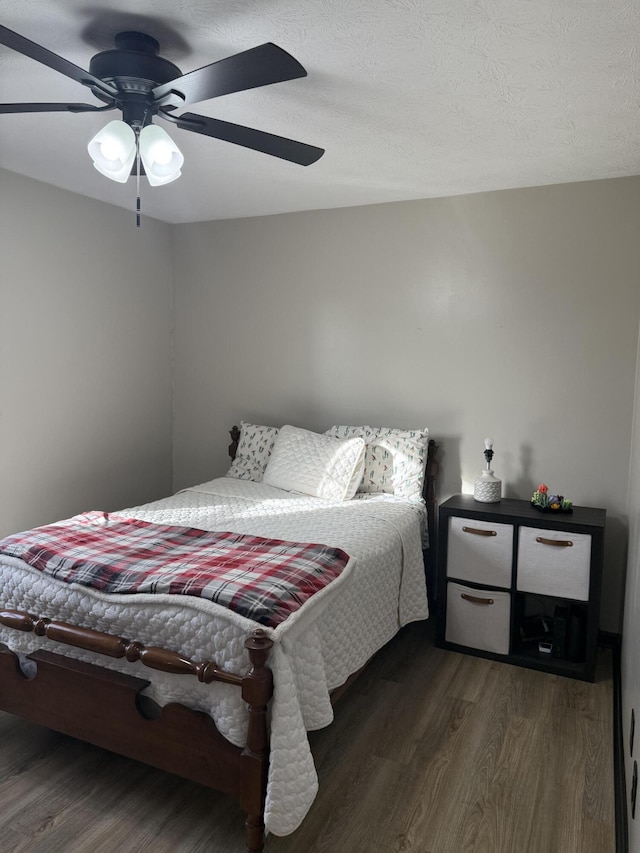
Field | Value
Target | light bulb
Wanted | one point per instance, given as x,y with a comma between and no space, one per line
110,149
162,154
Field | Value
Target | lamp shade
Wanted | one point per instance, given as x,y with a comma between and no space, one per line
113,150
161,157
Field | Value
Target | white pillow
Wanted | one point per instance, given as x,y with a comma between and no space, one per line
395,459
315,464
254,449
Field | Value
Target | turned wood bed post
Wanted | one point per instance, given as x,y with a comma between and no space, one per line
234,432
429,491
431,501
257,689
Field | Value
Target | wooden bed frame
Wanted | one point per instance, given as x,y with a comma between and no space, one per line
107,708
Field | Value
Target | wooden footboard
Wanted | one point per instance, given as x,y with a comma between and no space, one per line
107,709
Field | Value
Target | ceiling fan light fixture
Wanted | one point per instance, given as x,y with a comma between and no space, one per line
158,182
161,157
113,150
136,80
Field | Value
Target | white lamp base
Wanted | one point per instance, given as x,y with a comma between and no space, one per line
487,489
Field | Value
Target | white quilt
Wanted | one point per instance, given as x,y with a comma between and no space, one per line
381,589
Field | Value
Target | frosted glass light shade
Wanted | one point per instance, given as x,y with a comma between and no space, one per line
113,150
161,157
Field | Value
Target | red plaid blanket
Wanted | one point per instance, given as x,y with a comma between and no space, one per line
263,579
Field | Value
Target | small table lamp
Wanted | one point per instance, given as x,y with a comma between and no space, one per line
487,488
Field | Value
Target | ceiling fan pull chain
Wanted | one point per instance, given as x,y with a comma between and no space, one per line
138,179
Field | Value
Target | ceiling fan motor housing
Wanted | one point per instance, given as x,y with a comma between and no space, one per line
135,68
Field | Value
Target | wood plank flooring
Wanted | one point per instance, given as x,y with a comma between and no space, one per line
430,752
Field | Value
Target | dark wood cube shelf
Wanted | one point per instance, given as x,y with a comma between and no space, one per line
520,586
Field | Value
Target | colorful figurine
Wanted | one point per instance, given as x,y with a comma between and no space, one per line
542,500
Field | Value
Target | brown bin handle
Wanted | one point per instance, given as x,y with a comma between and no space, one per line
477,532
475,600
559,543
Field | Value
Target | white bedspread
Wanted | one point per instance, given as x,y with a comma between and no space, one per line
381,589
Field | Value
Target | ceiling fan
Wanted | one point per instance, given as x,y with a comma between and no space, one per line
136,80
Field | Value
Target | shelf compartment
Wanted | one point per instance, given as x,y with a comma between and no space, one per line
480,551
478,618
554,562
561,622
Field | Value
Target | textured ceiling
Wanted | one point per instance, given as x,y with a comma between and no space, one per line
410,98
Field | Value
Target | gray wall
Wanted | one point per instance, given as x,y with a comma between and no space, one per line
511,314
85,355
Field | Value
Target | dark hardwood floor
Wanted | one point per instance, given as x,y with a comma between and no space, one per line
430,752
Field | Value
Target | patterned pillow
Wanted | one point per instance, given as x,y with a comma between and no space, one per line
254,449
395,459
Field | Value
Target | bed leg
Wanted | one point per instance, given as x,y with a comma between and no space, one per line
255,833
257,689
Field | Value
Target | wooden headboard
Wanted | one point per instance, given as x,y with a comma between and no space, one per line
428,491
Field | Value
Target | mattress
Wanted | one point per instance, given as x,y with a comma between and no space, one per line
381,589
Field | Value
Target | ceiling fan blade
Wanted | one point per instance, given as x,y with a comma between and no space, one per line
52,108
52,60
258,140
256,67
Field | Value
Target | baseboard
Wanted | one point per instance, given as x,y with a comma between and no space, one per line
614,641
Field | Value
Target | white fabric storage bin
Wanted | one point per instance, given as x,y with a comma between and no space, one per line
478,618
554,562
480,551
